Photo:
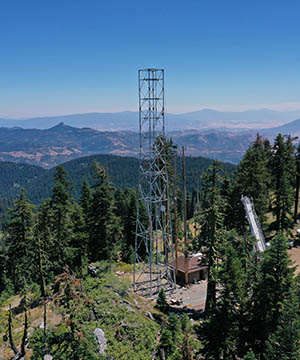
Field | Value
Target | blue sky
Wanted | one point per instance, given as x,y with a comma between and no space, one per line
70,56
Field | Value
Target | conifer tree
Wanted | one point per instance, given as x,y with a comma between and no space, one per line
212,228
297,185
171,339
252,179
121,202
44,245
61,226
284,343
283,167
104,225
220,332
186,349
273,289
78,240
85,197
249,356
20,244
161,302
129,226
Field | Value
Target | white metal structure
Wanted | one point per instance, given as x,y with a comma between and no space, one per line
254,224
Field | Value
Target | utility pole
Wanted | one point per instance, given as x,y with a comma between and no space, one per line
175,215
186,265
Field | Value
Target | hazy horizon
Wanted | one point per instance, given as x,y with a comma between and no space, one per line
217,109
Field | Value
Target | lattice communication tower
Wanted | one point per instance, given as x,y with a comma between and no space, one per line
154,251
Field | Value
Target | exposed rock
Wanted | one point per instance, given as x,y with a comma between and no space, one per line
150,316
126,302
129,308
92,316
93,270
101,340
41,326
48,357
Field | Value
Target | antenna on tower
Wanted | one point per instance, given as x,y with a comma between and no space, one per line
154,250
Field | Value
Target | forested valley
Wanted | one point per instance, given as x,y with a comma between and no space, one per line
66,260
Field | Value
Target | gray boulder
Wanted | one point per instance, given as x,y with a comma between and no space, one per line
101,340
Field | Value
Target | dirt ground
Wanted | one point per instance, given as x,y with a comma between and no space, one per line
295,257
192,297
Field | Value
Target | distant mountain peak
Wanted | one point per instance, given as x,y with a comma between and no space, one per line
60,125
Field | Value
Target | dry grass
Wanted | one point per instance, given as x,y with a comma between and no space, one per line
35,316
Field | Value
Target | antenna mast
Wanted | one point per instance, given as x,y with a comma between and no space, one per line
154,250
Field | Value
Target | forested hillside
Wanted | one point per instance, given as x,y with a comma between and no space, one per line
123,172
64,255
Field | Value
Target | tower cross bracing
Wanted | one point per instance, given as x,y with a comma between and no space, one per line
154,253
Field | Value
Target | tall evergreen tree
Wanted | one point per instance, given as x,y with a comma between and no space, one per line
85,197
283,170
78,240
129,225
284,343
252,179
220,332
212,227
45,255
297,185
20,244
273,290
104,225
61,225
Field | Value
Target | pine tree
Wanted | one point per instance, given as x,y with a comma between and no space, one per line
297,185
85,196
283,170
252,179
249,356
171,339
129,226
220,332
104,225
61,226
78,248
45,245
121,202
212,227
161,302
284,343
186,349
20,244
273,290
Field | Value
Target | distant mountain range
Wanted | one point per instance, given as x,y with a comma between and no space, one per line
198,120
292,128
62,142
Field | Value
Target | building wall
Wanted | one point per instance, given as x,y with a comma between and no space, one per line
193,277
